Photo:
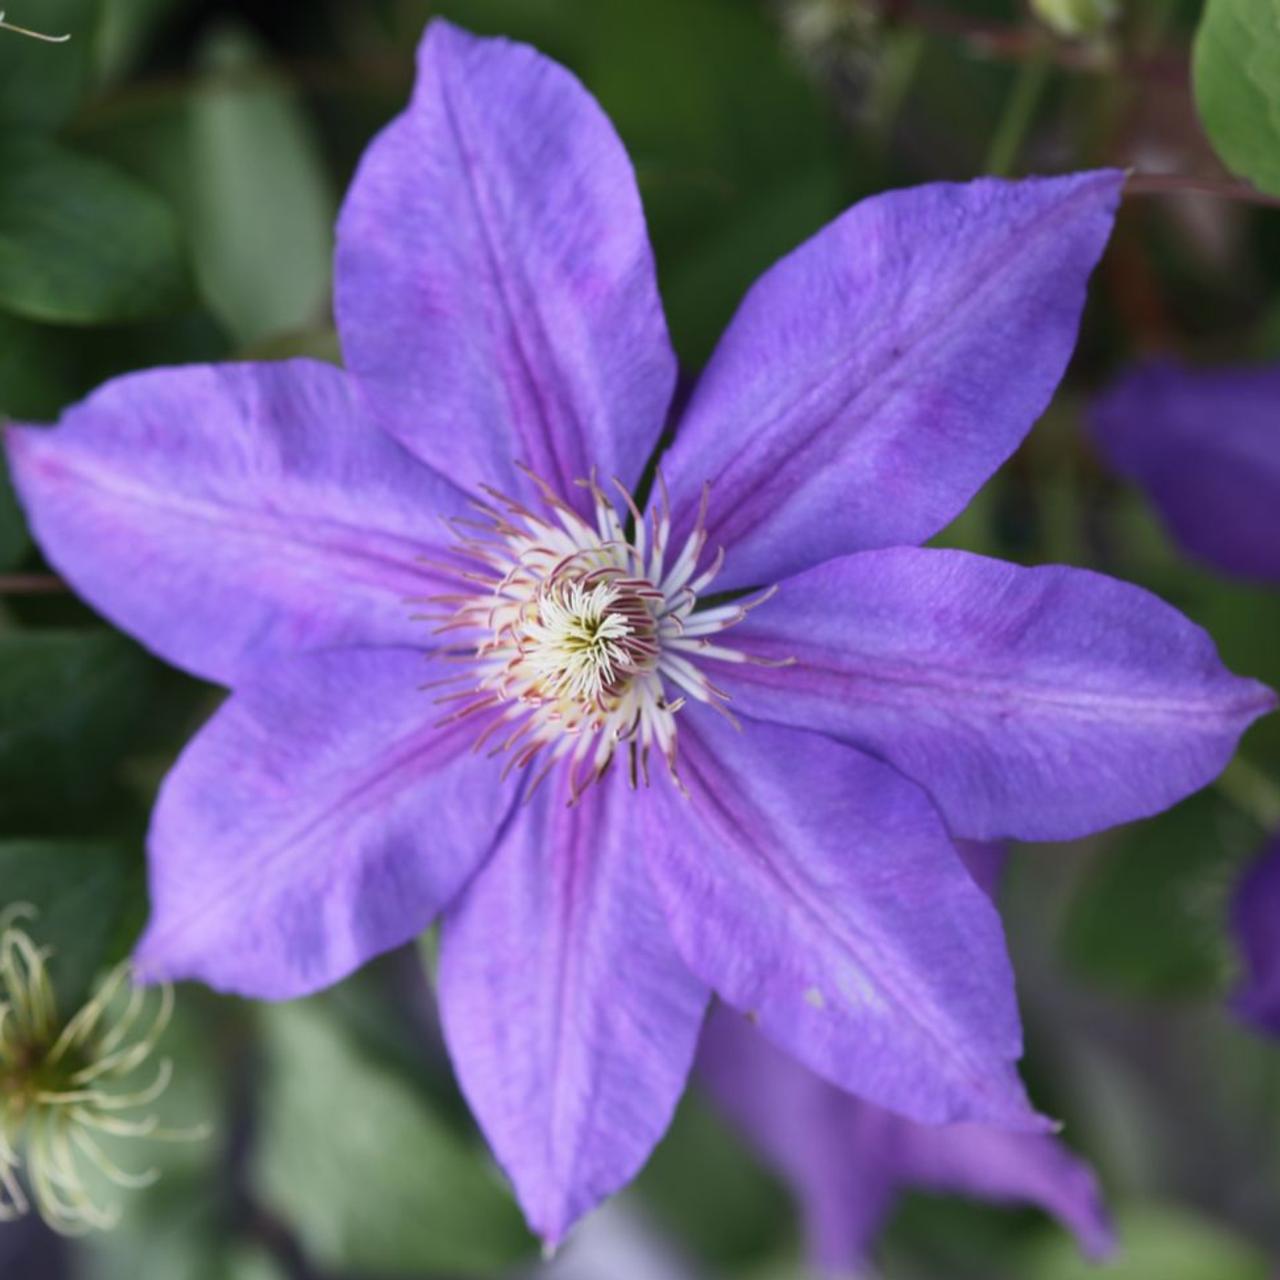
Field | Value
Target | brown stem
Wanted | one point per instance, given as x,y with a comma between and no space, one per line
1164,184
30,584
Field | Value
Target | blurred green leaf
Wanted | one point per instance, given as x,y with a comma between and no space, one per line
70,702
83,893
42,84
1236,76
81,243
14,539
1156,1243
1149,915
261,206
705,1186
37,370
353,1158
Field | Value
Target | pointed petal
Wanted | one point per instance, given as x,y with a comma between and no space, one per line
873,379
817,890
570,1018
1255,919
221,512
495,286
1008,1168
1038,703
1205,446
318,819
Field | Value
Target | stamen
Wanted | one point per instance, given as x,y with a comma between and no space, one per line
583,641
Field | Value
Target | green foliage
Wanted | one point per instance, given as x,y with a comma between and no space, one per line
260,204
80,243
42,84
1157,1243
353,1158
1236,72
1149,916
70,702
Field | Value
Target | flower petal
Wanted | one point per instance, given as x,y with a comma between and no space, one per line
495,287
817,890
1256,923
1037,703
220,512
1008,1168
319,818
874,378
1205,445
847,1161
570,1018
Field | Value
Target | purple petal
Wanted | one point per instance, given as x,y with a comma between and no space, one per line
319,818
1256,923
1008,1168
873,380
1205,446
818,891
216,513
1038,703
495,286
571,1020
847,1160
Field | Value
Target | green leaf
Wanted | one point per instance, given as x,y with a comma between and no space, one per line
1236,77
355,1160
81,243
1148,918
37,369
14,539
262,209
70,702
702,1183
83,893
42,84
1156,1243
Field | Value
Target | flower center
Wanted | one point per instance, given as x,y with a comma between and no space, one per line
582,639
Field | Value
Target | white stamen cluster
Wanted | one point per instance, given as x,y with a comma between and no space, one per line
582,639
66,1086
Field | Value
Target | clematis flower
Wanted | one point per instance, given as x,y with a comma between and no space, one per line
847,1161
65,1085
1204,445
603,843
1254,913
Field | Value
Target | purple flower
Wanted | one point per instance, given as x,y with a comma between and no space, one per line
847,1161
617,848
1255,916
1204,444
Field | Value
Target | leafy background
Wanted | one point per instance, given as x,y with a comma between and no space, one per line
168,182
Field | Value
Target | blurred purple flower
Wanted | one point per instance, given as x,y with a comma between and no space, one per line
1204,445
1256,920
263,526
847,1161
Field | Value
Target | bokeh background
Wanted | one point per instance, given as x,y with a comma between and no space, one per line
168,183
